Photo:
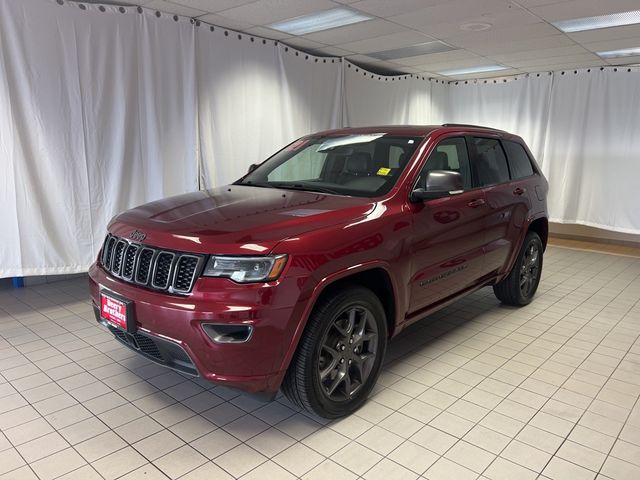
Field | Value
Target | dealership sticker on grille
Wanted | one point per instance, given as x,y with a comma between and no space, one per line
114,311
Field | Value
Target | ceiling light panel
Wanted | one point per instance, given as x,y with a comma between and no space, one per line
599,21
412,51
316,22
472,70
623,52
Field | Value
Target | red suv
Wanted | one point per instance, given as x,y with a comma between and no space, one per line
296,275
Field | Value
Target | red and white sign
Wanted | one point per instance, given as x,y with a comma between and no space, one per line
113,311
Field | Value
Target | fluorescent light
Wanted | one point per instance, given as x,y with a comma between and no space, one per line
336,17
412,51
470,70
599,21
623,52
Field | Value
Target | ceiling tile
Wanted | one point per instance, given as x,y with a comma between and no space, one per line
355,32
219,21
523,45
303,43
542,53
169,7
452,12
538,3
451,56
569,60
267,33
386,8
265,12
624,60
450,65
497,21
507,34
211,6
501,73
583,8
611,44
386,42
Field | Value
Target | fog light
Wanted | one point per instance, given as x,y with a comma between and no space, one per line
227,333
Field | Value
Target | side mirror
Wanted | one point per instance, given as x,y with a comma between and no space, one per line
252,167
438,184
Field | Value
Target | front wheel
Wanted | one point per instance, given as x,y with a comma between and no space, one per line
340,353
519,287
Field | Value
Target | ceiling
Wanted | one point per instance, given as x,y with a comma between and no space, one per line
520,34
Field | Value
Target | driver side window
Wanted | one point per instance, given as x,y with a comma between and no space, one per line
450,154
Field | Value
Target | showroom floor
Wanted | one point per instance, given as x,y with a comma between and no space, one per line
549,390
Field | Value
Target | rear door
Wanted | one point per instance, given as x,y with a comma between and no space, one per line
507,198
448,233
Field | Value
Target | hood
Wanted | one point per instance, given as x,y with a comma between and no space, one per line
236,219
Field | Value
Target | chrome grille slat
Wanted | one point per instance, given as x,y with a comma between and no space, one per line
158,269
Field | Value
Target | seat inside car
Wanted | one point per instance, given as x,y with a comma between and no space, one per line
439,161
359,164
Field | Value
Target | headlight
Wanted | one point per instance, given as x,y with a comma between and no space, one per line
246,269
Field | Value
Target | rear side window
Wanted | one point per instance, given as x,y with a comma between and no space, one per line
490,165
519,162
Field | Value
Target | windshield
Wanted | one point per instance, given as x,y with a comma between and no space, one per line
363,165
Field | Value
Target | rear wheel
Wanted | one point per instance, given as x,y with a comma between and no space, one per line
339,355
519,287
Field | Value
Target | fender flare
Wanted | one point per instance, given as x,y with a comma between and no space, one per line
320,287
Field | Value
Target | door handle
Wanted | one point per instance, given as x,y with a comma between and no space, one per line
519,191
476,203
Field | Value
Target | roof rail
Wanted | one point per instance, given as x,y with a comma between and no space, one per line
470,126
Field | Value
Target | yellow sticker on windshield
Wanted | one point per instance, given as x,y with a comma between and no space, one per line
384,171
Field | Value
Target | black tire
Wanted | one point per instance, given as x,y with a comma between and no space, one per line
311,373
519,287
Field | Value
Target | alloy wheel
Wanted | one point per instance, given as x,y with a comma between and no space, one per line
347,353
530,269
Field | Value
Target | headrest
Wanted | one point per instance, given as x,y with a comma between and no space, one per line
359,163
439,161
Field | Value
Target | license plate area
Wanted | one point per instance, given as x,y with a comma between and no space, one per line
118,311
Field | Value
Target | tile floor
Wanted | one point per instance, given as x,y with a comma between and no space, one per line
476,391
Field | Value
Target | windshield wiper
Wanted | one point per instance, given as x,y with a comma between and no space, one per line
255,184
304,187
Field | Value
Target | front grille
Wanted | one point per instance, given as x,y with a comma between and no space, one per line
158,269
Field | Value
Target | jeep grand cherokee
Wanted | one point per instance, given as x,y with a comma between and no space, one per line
297,275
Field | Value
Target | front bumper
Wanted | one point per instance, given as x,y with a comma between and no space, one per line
169,327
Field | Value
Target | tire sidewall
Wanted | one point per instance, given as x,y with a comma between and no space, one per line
531,237
318,399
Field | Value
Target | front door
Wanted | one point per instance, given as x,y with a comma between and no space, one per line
448,233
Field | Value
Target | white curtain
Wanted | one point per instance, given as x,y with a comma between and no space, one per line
381,100
97,114
105,108
518,105
255,97
592,151
582,126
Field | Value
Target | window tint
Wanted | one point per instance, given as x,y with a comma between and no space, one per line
490,165
450,154
519,162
